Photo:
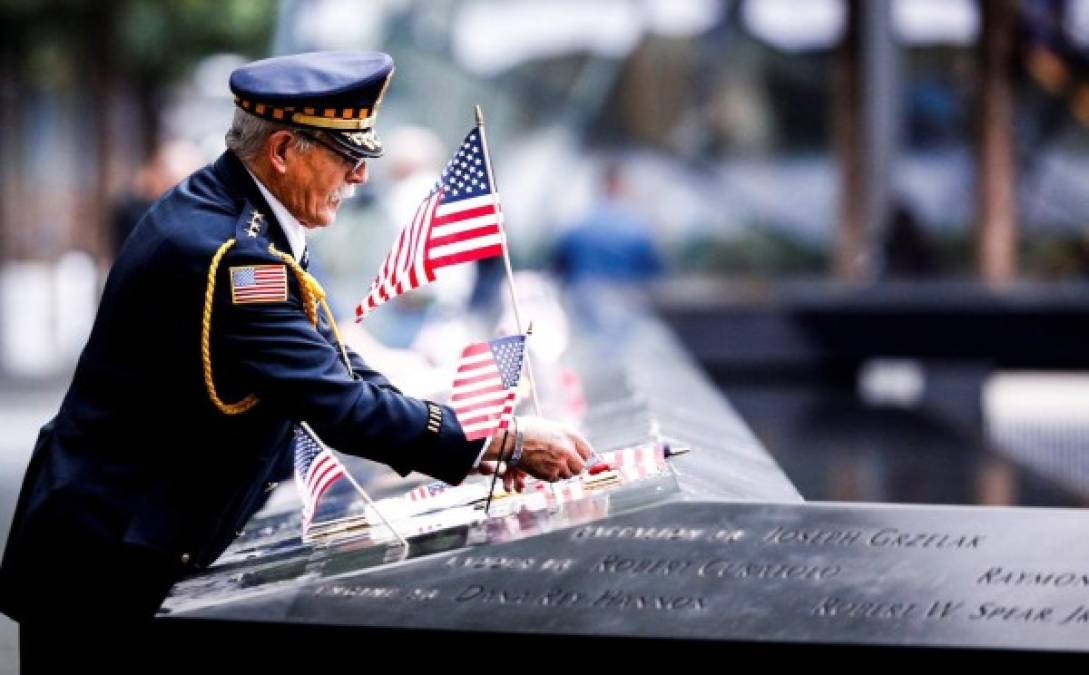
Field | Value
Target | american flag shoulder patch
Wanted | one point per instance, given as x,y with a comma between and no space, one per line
258,283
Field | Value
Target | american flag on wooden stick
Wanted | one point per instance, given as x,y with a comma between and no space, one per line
486,385
316,468
458,222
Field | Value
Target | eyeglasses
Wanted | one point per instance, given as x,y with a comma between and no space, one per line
354,162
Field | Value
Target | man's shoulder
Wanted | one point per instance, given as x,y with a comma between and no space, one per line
206,210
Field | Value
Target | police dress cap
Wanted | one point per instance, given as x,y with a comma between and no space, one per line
334,92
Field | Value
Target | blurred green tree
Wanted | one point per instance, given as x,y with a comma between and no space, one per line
150,44
97,56
160,42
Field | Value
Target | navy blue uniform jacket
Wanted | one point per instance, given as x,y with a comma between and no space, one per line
138,464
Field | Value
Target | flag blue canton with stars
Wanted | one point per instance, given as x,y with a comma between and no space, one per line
305,452
508,353
466,174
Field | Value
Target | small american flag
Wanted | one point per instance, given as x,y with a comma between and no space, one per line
638,461
486,385
458,222
315,470
427,491
543,495
258,283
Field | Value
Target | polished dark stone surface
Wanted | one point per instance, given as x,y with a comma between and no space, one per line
821,574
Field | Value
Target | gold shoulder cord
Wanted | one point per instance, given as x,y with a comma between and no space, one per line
312,295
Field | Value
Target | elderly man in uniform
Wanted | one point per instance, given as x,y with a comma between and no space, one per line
210,346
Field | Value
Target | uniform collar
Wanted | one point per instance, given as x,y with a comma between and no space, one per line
243,187
292,228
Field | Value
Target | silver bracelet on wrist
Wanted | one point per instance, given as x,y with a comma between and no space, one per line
516,455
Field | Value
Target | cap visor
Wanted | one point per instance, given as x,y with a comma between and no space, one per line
369,146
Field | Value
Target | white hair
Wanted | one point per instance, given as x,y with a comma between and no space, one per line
248,134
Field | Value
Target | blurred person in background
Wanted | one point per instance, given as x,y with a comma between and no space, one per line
211,346
613,243
908,251
166,167
605,257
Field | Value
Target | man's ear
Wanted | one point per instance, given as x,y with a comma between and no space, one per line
276,148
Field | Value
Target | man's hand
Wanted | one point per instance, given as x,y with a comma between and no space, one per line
550,451
513,479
